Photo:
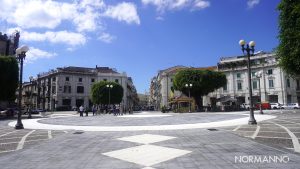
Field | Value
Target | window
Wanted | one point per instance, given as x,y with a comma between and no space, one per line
239,85
270,71
80,89
53,89
271,83
253,74
80,79
238,75
171,79
288,83
67,89
66,102
117,80
225,87
54,79
67,79
254,85
92,80
298,84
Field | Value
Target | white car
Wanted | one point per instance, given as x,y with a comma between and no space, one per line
245,106
291,106
276,105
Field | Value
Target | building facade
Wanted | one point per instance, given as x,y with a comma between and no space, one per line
273,86
70,87
161,87
9,44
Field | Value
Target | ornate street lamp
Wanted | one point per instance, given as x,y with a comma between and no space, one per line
250,51
189,86
259,75
20,54
109,87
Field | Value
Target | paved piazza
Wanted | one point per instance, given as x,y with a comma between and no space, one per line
152,140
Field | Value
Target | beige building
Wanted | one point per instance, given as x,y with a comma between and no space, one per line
69,87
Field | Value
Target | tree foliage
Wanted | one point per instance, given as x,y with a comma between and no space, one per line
289,36
9,72
204,82
100,93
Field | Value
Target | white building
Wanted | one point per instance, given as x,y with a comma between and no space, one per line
70,87
274,84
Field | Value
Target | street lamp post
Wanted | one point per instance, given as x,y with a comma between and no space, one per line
20,54
189,86
259,75
109,87
32,83
250,50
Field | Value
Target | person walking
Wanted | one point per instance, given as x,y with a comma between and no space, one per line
81,111
86,111
94,109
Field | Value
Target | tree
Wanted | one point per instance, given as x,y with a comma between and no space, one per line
204,82
100,93
9,72
288,50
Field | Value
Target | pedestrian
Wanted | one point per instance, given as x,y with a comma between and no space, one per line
86,111
94,110
81,111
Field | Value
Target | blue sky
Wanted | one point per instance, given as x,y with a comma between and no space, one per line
139,37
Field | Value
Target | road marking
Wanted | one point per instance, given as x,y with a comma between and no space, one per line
7,151
256,132
7,133
289,122
294,138
21,143
237,128
273,137
50,134
25,141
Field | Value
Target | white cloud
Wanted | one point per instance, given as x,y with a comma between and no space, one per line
45,20
106,37
163,5
85,15
36,13
201,4
252,3
60,37
159,18
34,53
124,11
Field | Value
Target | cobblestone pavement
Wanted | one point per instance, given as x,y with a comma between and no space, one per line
282,132
13,140
222,148
164,119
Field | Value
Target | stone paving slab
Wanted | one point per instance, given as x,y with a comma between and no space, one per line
137,119
209,149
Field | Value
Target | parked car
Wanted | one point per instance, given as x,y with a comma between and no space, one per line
291,106
264,106
37,111
9,112
245,106
74,108
276,105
